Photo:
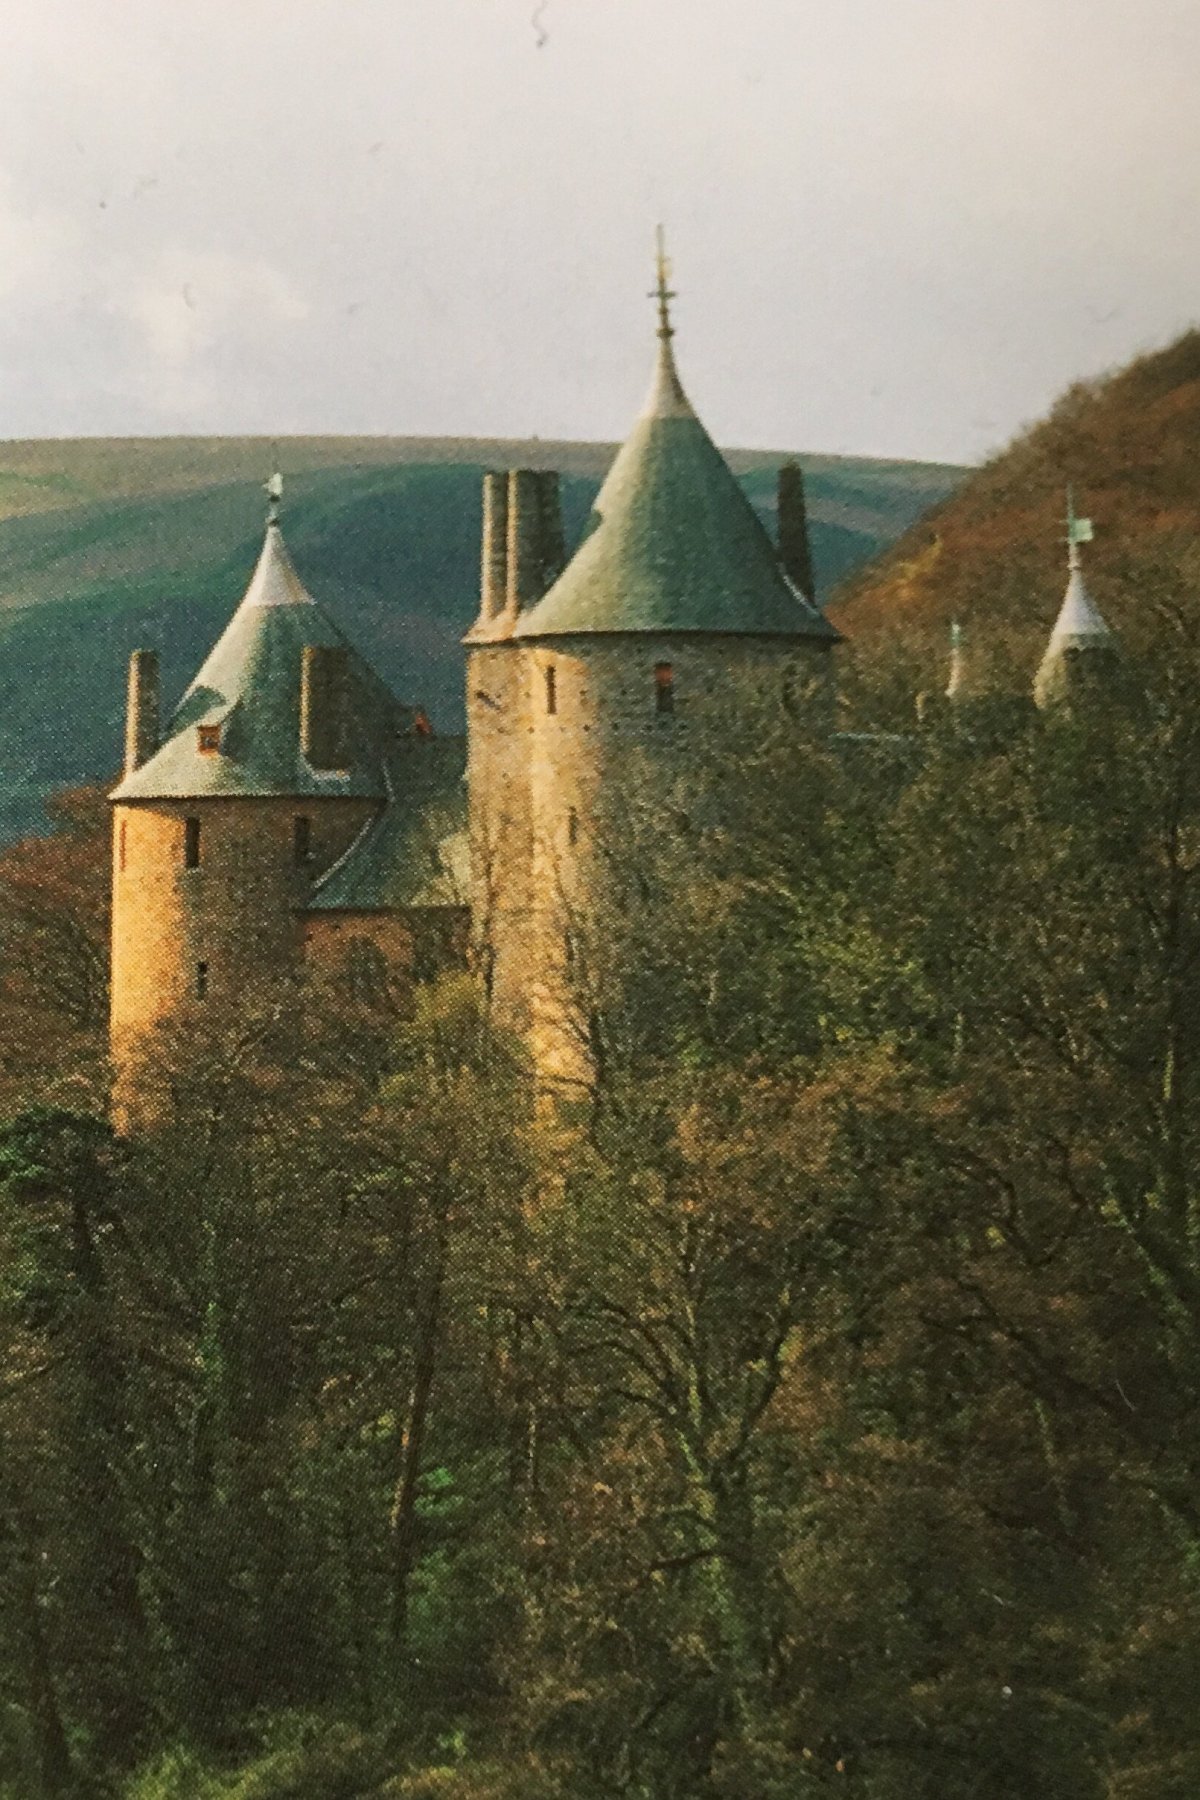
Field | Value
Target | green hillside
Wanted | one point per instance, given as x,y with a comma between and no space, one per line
110,544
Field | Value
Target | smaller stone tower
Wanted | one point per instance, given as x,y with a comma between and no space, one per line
270,767
1082,652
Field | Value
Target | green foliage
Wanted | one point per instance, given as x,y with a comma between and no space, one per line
816,1414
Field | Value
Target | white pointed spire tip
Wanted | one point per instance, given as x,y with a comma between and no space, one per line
275,581
273,489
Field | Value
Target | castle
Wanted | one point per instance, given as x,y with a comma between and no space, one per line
294,815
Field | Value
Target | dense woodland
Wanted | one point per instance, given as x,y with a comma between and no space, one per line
817,1412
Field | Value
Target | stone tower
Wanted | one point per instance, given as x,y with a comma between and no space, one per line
271,766
618,689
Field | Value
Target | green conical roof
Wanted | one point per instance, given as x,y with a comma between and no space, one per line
673,543
415,853
250,686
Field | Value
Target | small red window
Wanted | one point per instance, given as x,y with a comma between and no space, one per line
664,688
209,737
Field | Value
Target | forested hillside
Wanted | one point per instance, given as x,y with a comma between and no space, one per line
992,553
109,545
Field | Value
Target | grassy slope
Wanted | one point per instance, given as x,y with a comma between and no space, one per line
109,544
991,554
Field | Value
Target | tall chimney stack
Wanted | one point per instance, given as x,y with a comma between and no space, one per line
141,710
493,584
554,548
525,538
324,697
795,551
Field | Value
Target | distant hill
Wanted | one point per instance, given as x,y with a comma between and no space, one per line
108,544
991,553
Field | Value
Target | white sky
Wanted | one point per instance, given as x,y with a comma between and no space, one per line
899,227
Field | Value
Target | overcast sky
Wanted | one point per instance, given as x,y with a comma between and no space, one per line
899,227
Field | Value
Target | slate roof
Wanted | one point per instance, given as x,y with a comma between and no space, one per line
250,685
1080,626
415,852
673,544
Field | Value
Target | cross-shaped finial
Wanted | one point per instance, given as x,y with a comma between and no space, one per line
273,489
663,292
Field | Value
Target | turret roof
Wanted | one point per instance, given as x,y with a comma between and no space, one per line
415,852
673,544
1079,627
1080,624
250,686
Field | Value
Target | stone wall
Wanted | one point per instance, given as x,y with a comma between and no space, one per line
578,758
194,945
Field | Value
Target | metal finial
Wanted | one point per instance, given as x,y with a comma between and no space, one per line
273,489
663,292
1079,531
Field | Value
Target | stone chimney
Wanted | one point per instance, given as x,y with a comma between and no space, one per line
525,538
324,697
795,551
141,710
554,548
493,583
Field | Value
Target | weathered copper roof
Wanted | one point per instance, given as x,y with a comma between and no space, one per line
250,686
415,852
673,543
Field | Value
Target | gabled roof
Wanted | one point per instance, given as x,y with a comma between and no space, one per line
673,543
250,685
415,853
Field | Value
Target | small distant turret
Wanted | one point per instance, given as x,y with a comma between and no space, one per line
956,685
1082,647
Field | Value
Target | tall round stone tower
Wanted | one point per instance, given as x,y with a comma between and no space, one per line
620,689
270,766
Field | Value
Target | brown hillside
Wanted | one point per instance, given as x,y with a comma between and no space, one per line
992,554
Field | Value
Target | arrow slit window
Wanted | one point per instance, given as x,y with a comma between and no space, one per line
664,688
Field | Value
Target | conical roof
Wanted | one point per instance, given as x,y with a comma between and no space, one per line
1080,627
415,852
250,686
673,544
